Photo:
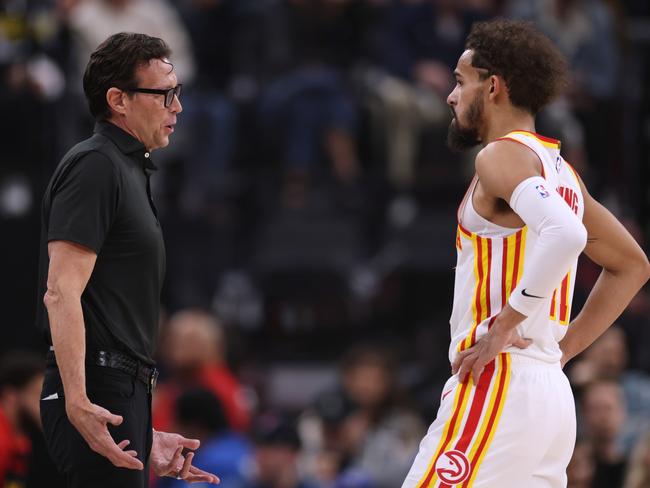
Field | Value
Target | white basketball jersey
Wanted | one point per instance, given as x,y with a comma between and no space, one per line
491,260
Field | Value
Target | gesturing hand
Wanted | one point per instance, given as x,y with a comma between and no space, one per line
91,421
473,360
167,458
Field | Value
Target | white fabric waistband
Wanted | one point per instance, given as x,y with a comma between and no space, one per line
523,360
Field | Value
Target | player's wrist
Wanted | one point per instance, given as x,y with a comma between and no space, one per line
508,319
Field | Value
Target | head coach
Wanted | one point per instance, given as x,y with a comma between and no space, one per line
102,265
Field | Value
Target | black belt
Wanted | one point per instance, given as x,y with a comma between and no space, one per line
111,359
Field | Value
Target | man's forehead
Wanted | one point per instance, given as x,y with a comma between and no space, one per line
464,65
157,70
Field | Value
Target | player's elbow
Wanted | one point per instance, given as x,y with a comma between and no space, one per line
637,270
574,239
643,267
634,268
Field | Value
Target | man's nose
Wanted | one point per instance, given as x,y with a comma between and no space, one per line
451,98
176,105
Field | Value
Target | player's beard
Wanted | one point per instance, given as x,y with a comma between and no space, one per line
463,138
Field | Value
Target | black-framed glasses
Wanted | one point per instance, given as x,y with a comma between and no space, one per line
169,94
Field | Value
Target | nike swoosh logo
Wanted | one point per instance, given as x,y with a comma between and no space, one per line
523,292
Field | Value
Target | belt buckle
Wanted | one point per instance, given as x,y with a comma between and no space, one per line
153,379
102,359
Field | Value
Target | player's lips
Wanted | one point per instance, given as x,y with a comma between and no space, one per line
170,127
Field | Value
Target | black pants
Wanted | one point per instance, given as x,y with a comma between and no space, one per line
119,393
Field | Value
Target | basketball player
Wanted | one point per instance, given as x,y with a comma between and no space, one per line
507,416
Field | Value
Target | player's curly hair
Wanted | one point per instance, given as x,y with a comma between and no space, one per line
534,70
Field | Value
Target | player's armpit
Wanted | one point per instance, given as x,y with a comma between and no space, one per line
502,165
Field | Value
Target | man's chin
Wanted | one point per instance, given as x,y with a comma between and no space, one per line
460,139
162,142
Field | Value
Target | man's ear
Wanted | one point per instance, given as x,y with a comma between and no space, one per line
115,98
496,86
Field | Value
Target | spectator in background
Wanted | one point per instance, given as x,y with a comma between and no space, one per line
212,117
636,323
308,108
27,68
638,471
415,47
585,32
607,359
365,428
24,461
277,454
389,432
31,85
581,468
92,21
603,415
199,415
194,351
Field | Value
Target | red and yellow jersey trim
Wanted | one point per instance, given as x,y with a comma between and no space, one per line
560,310
512,266
545,141
561,302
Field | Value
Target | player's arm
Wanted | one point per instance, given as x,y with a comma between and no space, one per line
69,271
625,270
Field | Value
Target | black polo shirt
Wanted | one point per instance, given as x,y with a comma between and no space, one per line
99,196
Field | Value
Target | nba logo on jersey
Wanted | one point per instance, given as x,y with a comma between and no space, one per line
452,467
558,164
542,191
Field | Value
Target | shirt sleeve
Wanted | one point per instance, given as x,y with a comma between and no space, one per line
85,202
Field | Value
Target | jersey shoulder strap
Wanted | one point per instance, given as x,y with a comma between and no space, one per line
546,149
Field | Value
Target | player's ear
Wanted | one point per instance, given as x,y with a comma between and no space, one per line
495,85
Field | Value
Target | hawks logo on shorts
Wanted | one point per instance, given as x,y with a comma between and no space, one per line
452,467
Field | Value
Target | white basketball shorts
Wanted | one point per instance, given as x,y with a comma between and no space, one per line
516,428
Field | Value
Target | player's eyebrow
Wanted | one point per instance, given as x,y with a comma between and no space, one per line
457,74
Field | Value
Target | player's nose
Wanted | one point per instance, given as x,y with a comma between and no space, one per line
452,100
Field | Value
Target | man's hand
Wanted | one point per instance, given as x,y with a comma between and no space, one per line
91,421
167,458
473,360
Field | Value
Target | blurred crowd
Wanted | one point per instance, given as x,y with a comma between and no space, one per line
308,202
361,429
